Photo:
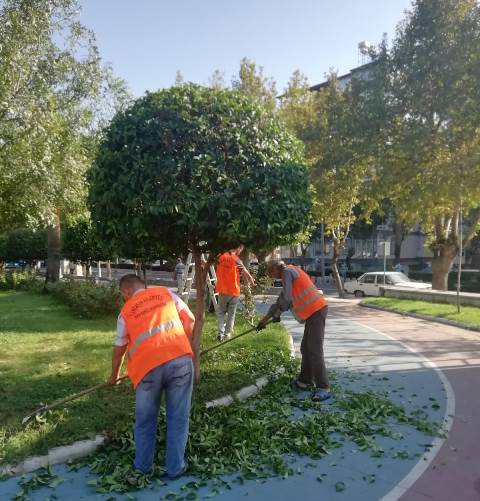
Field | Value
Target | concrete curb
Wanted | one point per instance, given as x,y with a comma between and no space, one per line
253,389
451,323
84,448
56,455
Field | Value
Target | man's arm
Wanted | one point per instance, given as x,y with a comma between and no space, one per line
186,316
245,273
283,302
188,321
121,345
117,362
248,276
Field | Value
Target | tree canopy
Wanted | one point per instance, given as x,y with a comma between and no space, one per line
429,140
200,166
203,168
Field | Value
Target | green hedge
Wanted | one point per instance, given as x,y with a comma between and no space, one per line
19,280
87,299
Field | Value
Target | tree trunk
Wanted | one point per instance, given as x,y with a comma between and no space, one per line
245,257
441,265
262,256
144,269
201,270
109,269
399,234
337,250
304,249
54,245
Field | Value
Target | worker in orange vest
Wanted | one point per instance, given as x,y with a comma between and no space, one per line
154,329
229,269
308,306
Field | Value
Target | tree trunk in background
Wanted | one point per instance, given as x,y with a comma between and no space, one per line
337,251
201,270
399,235
245,257
262,256
304,249
441,265
109,269
144,270
54,247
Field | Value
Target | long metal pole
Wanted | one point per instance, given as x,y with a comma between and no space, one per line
322,243
459,270
384,261
58,403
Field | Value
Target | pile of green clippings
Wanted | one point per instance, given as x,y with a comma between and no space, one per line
254,438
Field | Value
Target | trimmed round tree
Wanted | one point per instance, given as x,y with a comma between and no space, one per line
200,168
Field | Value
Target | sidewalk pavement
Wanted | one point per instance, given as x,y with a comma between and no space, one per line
363,359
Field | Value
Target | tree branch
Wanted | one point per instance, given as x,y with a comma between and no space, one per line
473,228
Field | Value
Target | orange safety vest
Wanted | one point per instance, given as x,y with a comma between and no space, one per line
155,332
306,298
228,275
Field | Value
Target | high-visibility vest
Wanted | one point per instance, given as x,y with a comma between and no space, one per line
306,298
155,332
228,275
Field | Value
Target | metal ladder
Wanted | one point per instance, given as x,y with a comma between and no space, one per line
189,278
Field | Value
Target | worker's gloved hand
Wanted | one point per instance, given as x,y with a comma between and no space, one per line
275,320
261,325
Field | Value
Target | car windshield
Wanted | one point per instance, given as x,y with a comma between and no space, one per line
396,278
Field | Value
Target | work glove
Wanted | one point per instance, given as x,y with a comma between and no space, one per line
260,326
275,320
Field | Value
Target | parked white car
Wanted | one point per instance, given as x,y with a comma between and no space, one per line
369,283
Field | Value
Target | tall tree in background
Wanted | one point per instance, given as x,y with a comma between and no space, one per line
298,109
430,143
330,125
252,82
343,168
217,80
54,93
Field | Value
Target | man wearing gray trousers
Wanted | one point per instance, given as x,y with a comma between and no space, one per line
229,271
310,308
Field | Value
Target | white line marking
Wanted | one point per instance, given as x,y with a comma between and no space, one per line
417,471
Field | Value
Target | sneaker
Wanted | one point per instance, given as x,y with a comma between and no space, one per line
179,474
298,385
321,395
134,477
220,338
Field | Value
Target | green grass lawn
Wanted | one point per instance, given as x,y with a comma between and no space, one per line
46,353
469,315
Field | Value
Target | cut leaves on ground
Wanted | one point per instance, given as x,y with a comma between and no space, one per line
48,353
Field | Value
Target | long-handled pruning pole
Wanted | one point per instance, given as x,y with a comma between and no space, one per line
99,386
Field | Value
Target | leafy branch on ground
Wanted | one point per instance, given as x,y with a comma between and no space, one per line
255,437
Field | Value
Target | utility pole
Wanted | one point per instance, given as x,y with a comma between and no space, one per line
459,269
322,243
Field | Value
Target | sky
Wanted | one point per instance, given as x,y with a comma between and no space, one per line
147,41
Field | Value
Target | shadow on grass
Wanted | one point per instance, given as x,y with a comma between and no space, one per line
30,313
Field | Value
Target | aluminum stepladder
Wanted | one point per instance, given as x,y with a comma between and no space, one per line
189,278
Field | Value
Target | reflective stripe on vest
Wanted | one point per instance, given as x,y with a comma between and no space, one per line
171,324
306,298
155,332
